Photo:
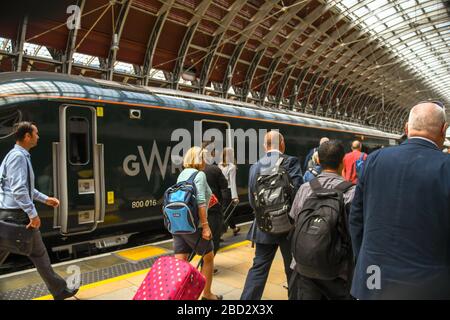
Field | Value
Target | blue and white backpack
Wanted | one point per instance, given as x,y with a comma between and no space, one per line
180,207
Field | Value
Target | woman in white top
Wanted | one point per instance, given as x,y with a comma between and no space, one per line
228,168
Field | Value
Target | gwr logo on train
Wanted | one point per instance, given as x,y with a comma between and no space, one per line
248,140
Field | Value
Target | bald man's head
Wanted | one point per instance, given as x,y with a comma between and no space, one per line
324,139
356,145
427,120
274,140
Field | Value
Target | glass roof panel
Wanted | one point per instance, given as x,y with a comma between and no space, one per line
375,4
386,13
417,31
408,4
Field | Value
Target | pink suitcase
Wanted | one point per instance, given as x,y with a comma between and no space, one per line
171,279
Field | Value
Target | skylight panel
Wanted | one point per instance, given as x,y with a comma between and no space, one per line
415,13
413,42
379,28
370,20
361,12
376,4
124,67
386,13
408,4
349,3
444,25
394,21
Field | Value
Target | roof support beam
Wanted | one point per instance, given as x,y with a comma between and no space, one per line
154,38
17,46
268,38
282,86
115,41
267,79
216,42
67,58
296,88
240,44
188,36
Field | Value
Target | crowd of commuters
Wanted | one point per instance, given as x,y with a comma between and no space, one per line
385,234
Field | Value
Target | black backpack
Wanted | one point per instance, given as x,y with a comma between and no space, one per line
321,241
273,196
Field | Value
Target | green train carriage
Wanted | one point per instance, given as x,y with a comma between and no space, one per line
104,148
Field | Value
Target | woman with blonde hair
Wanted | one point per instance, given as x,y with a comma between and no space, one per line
228,167
184,244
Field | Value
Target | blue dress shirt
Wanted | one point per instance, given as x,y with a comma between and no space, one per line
14,192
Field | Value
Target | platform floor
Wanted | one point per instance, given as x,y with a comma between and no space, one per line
117,275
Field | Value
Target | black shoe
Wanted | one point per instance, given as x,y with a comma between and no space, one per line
67,293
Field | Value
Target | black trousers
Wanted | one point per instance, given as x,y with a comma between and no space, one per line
39,255
215,220
316,289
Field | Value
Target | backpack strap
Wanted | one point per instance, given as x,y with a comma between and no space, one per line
192,177
279,161
315,185
361,157
343,186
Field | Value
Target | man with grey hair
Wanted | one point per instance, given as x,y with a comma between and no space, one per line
400,215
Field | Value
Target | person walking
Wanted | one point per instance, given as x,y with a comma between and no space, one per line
400,215
16,205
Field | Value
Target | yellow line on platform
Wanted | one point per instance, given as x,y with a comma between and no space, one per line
144,271
103,282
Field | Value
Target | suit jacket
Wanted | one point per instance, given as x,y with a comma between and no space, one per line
218,184
292,166
400,223
308,157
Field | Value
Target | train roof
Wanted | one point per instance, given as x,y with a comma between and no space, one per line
16,87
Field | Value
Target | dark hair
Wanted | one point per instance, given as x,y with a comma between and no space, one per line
331,154
22,128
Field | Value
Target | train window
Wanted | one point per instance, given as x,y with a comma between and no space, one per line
78,133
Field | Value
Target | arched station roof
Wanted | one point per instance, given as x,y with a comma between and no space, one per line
362,61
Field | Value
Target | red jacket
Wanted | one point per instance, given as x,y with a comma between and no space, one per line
349,171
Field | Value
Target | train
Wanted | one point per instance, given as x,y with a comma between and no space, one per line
106,149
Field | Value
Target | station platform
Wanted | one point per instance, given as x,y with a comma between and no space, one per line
117,275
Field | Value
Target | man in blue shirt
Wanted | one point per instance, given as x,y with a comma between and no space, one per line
17,193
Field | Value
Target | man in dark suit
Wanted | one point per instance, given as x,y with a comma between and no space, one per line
267,244
400,216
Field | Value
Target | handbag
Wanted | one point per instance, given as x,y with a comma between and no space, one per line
16,238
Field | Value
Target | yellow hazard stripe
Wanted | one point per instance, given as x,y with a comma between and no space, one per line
144,271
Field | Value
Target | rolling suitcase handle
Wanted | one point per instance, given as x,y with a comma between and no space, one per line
192,254
233,206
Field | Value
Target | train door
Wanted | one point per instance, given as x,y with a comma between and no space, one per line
78,170
216,135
